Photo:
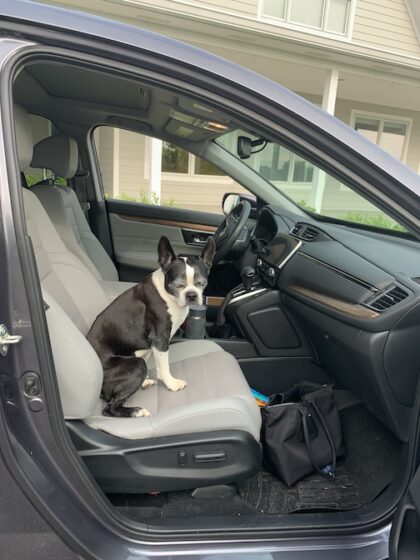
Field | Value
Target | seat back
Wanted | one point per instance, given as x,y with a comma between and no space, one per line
59,154
73,296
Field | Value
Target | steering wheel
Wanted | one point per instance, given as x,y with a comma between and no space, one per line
230,229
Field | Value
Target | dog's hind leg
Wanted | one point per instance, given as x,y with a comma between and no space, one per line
123,376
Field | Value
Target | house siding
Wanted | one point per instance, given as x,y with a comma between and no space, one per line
132,163
387,24
241,7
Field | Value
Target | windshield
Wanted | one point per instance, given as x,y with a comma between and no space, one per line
308,186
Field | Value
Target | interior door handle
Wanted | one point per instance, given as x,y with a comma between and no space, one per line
199,240
192,237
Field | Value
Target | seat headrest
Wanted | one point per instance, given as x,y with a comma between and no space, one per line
24,139
59,154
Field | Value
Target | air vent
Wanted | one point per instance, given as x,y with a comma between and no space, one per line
297,229
387,299
305,232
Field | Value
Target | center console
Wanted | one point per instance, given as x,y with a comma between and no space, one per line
273,256
252,320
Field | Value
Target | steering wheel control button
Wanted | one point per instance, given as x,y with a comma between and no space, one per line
31,384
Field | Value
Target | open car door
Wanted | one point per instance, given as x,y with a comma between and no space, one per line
404,541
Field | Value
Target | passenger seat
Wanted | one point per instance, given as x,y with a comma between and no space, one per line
60,155
204,435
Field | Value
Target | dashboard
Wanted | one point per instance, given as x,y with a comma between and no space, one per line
358,275
356,293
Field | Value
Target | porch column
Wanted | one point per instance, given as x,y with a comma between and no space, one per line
329,97
155,169
116,162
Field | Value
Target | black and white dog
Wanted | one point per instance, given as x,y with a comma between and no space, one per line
143,320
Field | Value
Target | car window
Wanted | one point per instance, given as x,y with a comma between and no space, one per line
307,185
186,181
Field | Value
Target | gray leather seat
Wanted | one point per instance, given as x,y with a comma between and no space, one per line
60,155
217,397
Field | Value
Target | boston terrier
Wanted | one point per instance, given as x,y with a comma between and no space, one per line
142,321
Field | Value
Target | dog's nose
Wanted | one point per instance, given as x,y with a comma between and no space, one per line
191,296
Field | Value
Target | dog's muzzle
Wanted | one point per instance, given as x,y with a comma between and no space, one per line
191,297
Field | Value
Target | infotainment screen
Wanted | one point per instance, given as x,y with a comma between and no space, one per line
279,250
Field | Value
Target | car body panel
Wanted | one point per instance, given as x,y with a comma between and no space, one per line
73,517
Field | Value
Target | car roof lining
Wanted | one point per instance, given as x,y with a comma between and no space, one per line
69,94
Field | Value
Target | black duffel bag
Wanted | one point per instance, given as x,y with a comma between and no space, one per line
301,433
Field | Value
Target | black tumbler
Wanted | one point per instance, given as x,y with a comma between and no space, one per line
196,322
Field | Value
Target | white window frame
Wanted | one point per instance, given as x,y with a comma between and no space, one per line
382,117
190,175
321,32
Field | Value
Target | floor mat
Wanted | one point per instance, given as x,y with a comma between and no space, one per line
373,455
314,493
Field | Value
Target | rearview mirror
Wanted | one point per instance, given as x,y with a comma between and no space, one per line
245,145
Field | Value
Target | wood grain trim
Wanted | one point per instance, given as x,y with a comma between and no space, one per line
214,301
172,223
352,309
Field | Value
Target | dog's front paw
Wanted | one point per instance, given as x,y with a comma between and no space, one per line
148,382
176,384
139,412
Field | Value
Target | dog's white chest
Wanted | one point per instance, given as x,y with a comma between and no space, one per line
176,313
178,316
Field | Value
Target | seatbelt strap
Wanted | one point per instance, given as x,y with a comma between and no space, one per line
80,187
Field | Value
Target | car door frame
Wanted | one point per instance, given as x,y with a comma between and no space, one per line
30,291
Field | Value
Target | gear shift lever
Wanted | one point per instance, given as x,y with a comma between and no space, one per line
247,276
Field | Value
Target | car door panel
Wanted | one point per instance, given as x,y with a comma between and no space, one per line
136,229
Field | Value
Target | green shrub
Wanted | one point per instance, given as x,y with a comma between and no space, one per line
305,206
376,220
143,198
34,179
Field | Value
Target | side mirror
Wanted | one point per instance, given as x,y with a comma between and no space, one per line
231,200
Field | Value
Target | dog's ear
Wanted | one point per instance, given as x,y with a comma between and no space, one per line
165,252
208,253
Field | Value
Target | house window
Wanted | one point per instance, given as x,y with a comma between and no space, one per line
389,133
329,16
178,160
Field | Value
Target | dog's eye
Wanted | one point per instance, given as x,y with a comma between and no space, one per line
199,284
179,286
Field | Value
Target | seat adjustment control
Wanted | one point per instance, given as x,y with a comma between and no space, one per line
210,457
182,458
